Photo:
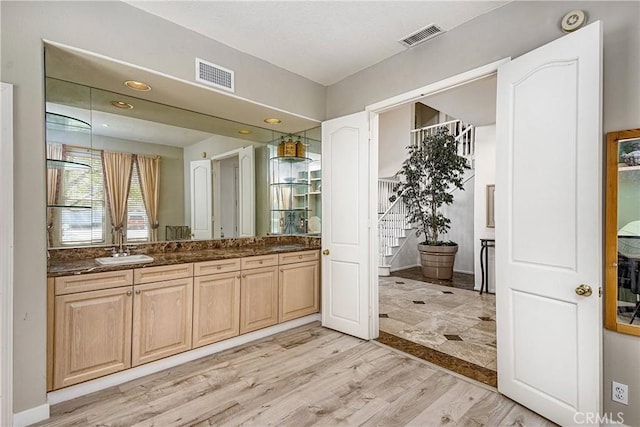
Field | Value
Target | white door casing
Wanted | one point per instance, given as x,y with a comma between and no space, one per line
6,254
549,226
345,226
201,206
246,193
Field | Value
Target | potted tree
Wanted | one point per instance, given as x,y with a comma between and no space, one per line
427,177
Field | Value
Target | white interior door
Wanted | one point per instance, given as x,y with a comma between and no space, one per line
549,226
201,210
345,225
246,193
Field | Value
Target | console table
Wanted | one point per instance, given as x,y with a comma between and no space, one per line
485,244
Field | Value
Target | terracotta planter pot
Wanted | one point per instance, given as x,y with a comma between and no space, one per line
437,261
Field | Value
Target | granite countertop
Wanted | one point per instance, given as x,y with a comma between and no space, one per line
61,267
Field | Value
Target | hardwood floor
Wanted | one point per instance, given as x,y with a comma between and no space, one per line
306,376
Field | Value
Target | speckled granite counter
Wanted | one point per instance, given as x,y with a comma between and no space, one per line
65,262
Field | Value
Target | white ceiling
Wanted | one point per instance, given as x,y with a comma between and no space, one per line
324,41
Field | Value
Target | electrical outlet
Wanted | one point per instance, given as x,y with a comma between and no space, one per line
620,393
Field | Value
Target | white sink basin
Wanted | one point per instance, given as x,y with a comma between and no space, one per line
129,259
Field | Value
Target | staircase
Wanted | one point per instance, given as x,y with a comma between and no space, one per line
393,229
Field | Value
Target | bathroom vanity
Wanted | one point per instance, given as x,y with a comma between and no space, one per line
106,319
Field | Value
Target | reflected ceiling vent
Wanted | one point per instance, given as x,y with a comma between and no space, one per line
421,35
214,75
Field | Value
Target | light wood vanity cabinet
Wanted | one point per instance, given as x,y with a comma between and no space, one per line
216,302
259,293
299,287
102,323
92,330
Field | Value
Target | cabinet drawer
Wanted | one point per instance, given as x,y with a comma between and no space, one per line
219,266
164,272
259,261
291,257
93,281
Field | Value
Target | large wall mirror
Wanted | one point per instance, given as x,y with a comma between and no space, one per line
623,232
113,151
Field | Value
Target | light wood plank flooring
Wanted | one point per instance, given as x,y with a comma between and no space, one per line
306,376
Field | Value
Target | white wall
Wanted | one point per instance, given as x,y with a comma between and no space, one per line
394,127
461,214
485,175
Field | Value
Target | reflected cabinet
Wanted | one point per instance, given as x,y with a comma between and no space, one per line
622,230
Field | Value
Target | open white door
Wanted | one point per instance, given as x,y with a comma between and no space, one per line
201,214
246,193
549,227
345,225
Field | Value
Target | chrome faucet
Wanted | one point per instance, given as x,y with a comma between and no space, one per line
121,251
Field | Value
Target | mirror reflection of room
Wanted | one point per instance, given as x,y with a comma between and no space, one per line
119,169
628,237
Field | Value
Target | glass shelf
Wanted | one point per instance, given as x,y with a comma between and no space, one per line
291,159
66,165
291,210
302,184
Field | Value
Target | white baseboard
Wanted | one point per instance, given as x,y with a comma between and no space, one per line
464,272
31,416
87,387
404,267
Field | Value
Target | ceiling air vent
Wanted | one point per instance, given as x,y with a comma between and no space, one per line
214,75
421,35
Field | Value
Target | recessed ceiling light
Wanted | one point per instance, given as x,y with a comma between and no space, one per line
244,131
132,84
105,125
122,104
273,121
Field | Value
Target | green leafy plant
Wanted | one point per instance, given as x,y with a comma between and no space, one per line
427,177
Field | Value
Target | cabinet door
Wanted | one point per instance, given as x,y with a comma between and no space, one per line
216,308
161,319
92,335
299,285
259,299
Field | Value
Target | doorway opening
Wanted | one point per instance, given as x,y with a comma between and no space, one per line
446,322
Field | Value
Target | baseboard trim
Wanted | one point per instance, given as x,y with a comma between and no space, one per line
405,267
31,416
464,272
118,378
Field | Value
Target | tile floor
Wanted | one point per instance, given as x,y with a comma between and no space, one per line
458,324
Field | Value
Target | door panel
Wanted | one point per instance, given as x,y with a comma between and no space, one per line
548,226
246,196
201,207
345,228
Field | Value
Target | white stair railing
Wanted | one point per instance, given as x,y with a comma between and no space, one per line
392,216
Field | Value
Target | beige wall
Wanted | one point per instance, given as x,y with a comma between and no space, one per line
120,31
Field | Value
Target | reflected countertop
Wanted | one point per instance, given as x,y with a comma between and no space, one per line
64,267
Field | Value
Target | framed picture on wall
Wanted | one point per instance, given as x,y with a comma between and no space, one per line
491,189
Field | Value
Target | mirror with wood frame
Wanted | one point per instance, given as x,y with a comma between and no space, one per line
622,232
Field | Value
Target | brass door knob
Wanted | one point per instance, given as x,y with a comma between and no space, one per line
584,290
325,252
